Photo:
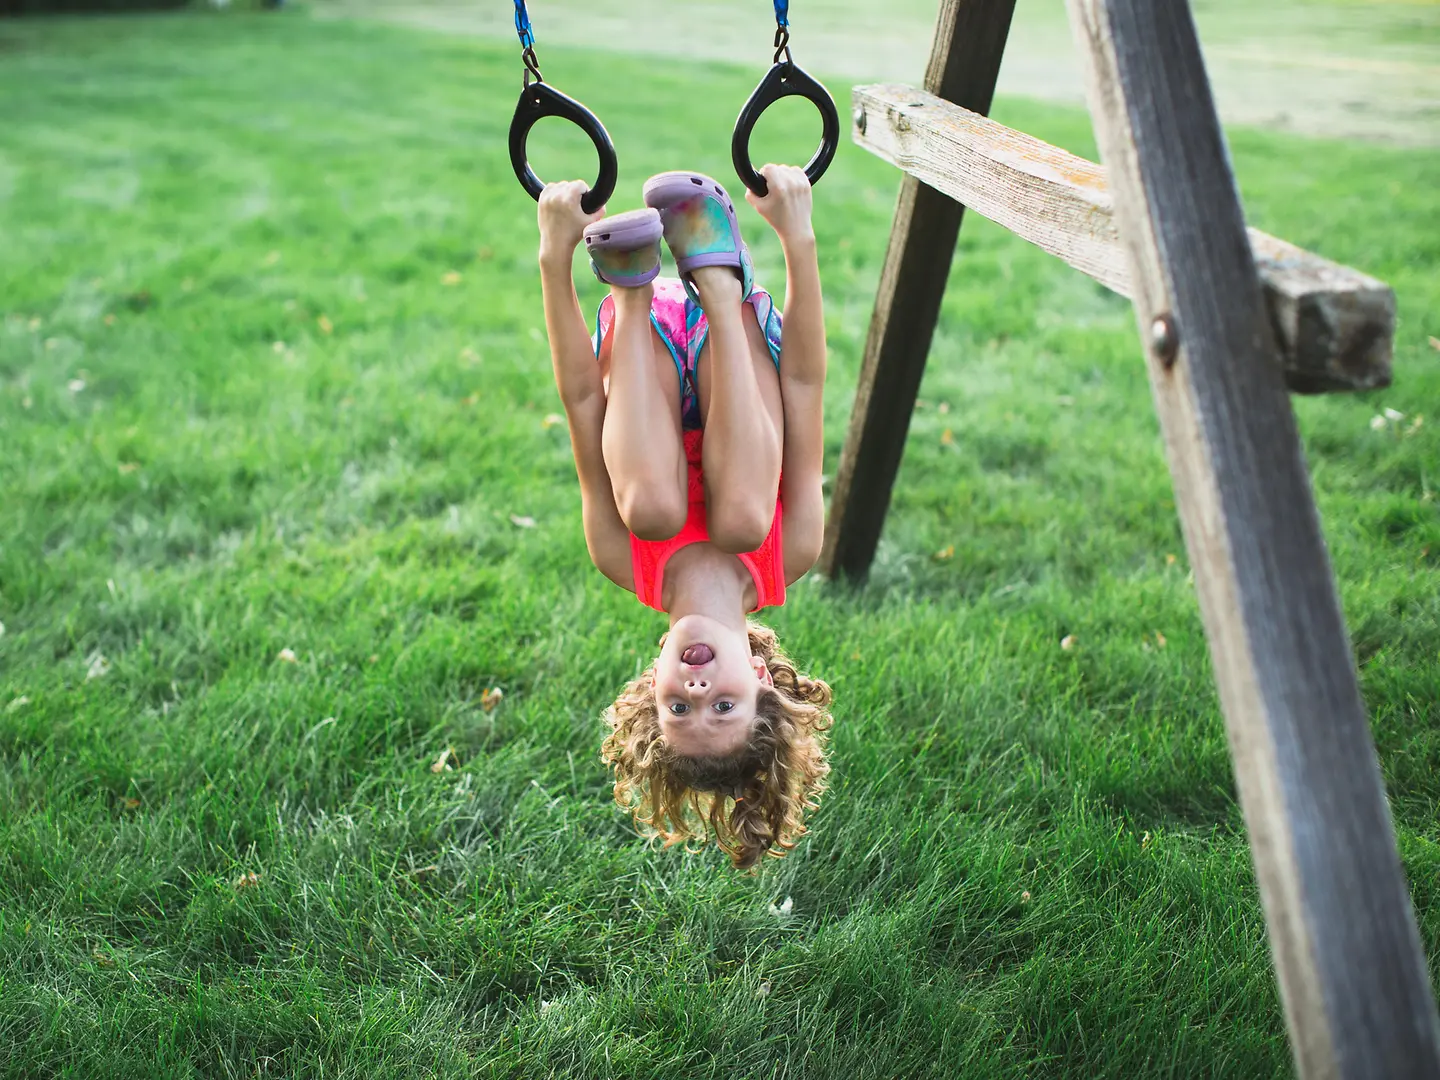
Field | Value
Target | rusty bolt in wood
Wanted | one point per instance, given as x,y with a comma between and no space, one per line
860,119
1164,340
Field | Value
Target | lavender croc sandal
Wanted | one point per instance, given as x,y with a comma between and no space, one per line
625,249
700,226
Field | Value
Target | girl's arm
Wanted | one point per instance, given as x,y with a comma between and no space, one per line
577,377
802,366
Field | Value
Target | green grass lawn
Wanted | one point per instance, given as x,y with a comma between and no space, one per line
272,377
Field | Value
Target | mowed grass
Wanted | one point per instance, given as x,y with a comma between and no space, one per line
290,267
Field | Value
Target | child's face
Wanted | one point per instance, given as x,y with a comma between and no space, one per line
706,686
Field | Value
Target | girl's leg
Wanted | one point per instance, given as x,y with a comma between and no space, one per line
743,416
643,448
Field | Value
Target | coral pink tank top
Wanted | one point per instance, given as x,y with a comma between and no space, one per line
648,557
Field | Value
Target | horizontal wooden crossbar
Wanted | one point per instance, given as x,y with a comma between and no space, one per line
1335,326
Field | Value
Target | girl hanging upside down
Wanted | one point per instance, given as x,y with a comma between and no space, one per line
698,441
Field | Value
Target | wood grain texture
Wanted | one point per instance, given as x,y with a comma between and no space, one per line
1335,325
964,64
1352,974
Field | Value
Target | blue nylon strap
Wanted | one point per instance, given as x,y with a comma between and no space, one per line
527,35
782,12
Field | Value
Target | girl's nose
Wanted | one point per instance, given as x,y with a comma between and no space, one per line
696,684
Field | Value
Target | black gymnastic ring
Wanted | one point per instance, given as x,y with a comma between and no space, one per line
539,100
784,79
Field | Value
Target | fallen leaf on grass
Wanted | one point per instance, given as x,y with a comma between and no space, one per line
326,326
1435,343
551,419
99,668
1025,897
1144,841
103,959
1394,415
490,699
945,553
763,990
442,763
1160,641
947,437
131,804
247,881
19,703
451,277
1068,642
1169,560
75,385
521,521
784,908
374,658
943,408
288,656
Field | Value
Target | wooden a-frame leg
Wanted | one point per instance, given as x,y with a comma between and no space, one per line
1352,974
964,65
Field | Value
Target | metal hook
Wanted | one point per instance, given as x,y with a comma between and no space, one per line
782,44
532,66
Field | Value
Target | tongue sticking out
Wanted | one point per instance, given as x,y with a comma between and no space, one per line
697,655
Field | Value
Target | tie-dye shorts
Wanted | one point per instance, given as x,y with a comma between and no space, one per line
683,328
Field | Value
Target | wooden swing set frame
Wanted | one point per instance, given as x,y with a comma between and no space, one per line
1231,321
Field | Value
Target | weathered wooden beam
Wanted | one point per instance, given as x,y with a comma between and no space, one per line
964,64
1352,974
1336,326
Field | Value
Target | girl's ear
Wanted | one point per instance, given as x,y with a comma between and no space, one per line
762,670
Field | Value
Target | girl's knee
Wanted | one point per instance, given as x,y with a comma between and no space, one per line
652,511
740,525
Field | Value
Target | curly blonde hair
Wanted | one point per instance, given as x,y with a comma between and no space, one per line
767,785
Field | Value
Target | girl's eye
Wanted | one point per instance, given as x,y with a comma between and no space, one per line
679,709
724,706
